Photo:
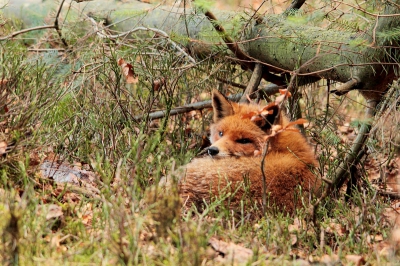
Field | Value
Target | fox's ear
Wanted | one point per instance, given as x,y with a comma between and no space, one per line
221,106
270,116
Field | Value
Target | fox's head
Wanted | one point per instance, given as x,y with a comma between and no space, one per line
233,132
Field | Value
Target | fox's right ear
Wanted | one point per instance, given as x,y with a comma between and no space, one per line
221,106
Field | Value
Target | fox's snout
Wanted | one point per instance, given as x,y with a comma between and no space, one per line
212,150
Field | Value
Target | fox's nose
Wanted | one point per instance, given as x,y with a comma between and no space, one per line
212,151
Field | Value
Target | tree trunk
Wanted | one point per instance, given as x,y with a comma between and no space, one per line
282,46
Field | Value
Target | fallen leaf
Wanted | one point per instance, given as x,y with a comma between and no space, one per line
127,70
297,122
285,92
158,83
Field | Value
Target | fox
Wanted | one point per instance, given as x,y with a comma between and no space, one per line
238,135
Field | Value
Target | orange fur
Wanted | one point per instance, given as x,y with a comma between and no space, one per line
236,156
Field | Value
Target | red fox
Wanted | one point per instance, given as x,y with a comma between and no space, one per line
235,157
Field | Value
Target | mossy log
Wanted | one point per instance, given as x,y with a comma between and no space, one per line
281,44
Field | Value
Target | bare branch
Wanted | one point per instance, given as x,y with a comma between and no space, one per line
295,5
253,83
346,87
103,34
16,33
268,90
57,26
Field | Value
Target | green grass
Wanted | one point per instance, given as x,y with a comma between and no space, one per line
80,110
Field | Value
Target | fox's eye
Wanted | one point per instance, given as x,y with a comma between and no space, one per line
220,134
243,141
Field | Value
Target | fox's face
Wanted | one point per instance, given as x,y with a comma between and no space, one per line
233,133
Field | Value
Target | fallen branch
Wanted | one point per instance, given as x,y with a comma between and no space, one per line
268,90
253,83
392,195
346,87
16,33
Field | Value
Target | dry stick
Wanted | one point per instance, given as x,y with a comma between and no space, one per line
57,27
393,195
102,34
244,60
234,84
253,83
268,90
346,87
264,178
265,151
16,33
295,5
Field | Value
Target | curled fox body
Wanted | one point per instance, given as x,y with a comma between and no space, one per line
235,156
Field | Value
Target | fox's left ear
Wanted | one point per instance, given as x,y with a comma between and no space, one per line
268,116
221,106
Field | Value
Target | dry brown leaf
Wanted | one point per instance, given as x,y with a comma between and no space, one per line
285,92
297,122
127,70
158,83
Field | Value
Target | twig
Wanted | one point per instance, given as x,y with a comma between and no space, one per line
393,195
232,45
253,83
295,5
57,27
264,179
346,87
268,90
46,50
234,84
102,34
16,33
